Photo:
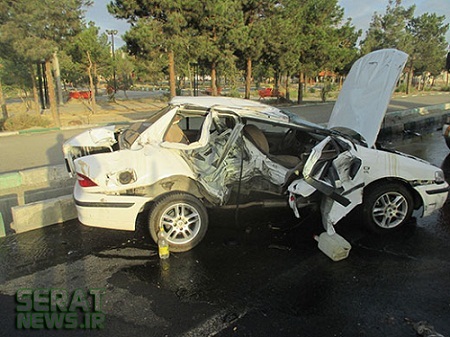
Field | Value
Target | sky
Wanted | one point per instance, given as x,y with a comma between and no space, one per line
360,11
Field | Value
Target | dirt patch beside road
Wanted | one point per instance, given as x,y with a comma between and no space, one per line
78,112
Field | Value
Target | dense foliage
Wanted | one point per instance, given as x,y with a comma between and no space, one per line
240,41
422,37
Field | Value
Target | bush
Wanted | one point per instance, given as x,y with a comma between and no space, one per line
401,88
447,88
23,121
233,93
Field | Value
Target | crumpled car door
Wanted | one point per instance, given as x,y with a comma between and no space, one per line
218,163
334,170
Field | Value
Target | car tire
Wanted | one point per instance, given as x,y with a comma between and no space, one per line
182,216
387,207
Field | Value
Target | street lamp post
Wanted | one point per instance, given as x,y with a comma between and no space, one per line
113,32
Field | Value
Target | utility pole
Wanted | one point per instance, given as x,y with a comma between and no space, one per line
113,32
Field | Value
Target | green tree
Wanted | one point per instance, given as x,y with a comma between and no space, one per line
217,27
157,25
279,40
254,34
423,38
428,47
143,42
15,73
33,30
125,70
390,29
311,37
92,51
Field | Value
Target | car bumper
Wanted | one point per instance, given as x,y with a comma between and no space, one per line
108,211
433,197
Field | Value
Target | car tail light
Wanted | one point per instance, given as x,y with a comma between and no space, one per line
85,181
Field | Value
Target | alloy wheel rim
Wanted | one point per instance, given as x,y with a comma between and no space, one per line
181,222
390,210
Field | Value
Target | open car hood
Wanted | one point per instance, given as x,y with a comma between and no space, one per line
366,93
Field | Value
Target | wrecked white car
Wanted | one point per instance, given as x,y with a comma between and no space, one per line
202,152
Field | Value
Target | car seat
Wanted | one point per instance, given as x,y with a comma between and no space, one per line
176,135
257,137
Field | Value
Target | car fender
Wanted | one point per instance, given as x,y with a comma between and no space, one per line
179,183
147,165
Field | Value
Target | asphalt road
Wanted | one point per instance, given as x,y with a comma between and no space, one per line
262,276
41,149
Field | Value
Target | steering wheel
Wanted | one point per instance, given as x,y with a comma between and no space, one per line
288,141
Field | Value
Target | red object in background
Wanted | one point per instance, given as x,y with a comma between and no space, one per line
80,94
208,91
269,92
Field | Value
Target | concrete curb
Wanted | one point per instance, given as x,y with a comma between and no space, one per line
64,128
30,198
44,213
32,177
52,210
417,119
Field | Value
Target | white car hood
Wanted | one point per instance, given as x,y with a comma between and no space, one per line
366,93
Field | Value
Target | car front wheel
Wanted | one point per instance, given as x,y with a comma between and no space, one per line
387,207
183,217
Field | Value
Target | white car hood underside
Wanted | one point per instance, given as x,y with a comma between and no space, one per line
366,93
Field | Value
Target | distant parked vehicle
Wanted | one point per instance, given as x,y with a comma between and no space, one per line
80,94
269,92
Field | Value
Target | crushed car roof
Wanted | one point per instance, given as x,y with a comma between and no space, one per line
242,107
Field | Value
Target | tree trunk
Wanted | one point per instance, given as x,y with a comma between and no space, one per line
57,78
91,84
3,103
51,93
288,96
191,87
96,79
409,78
37,106
213,79
300,88
248,79
172,83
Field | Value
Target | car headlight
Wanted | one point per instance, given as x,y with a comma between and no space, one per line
439,177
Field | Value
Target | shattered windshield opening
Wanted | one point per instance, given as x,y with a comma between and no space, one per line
129,135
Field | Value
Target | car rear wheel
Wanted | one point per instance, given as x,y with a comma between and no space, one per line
387,207
183,217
